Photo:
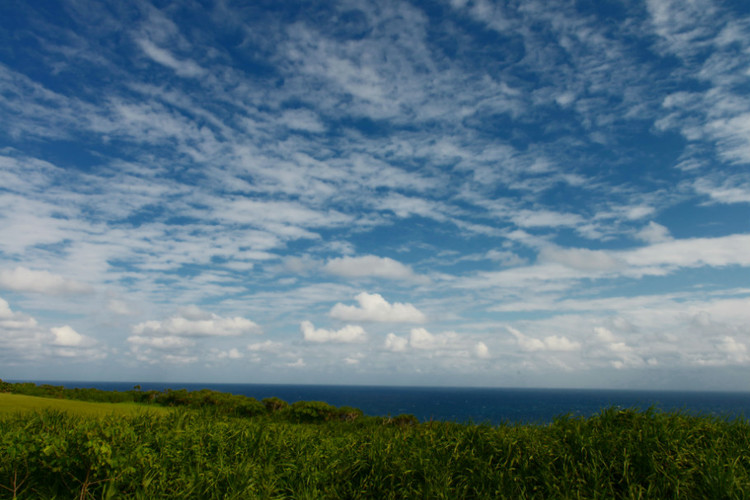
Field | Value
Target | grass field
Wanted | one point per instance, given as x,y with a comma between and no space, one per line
18,403
192,454
207,445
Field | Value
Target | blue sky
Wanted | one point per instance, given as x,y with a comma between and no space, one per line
415,193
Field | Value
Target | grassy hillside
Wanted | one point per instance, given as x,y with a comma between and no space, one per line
15,403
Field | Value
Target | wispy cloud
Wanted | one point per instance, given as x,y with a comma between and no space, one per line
372,266
185,68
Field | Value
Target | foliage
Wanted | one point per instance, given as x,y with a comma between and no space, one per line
198,454
214,445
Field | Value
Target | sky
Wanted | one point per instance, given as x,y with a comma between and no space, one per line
444,193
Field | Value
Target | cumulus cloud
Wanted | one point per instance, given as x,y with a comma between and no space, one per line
654,233
395,343
193,322
736,351
20,336
23,339
371,266
11,320
422,339
373,307
481,350
604,334
347,334
549,343
65,336
22,279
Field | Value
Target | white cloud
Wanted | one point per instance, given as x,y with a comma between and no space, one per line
395,343
728,190
65,336
604,334
549,343
20,336
119,307
654,233
169,343
186,68
371,266
194,322
505,258
560,268
546,218
347,334
218,354
301,119
693,252
22,279
373,307
266,346
420,338
23,340
557,343
736,352
481,350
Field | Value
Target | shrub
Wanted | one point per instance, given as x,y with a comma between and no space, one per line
310,411
274,404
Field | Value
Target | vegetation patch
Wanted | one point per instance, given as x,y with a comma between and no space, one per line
313,450
19,403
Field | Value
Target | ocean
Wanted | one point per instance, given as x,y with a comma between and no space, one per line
478,405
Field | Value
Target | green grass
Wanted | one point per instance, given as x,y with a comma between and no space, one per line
204,455
15,403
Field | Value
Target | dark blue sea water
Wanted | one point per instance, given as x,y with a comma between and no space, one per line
479,405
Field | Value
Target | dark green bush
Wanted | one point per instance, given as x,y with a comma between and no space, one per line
310,411
274,404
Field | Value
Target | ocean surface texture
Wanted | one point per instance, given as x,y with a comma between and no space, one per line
478,405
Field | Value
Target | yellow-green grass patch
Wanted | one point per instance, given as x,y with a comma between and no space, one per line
19,403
